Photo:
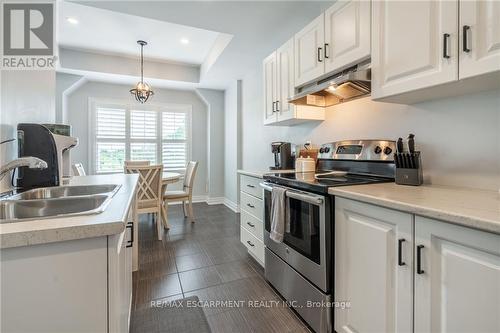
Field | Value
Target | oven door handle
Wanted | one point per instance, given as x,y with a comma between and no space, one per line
312,199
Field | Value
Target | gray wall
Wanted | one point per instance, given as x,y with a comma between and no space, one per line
214,100
232,147
26,96
459,137
78,117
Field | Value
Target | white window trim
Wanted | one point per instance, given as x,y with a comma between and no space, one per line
93,103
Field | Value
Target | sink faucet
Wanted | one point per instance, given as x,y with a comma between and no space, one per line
29,161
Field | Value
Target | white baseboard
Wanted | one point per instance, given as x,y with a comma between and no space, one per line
231,205
213,201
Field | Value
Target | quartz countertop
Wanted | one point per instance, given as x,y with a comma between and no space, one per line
479,209
260,173
111,221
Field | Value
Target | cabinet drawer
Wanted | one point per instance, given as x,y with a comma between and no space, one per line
252,224
251,205
251,186
254,246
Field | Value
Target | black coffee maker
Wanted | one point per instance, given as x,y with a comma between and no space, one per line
283,156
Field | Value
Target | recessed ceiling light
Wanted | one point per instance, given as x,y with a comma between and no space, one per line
72,20
184,41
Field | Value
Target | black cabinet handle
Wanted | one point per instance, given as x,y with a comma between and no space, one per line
250,205
446,38
326,51
419,259
251,224
465,38
250,243
400,252
130,225
319,54
251,186
277,106
274,107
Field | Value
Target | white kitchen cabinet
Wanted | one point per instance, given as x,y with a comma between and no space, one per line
270,88
480,30
285,81
414,45
309,48
457,284
347,34
120,280
251,217
279,87
373,268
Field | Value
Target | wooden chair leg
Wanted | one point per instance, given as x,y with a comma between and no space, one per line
184,208
159,227
164,210
191,215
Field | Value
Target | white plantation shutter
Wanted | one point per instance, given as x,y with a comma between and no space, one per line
143,124
160,134
175,139
110,136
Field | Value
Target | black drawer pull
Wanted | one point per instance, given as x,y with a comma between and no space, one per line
130,225
465,39
400,252
251,186
446,38
419,259
251,224
250,243
250,205
327,51
320,49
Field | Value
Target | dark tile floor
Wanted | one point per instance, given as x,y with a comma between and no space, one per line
206,259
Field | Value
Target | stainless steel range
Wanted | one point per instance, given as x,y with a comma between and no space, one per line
301,267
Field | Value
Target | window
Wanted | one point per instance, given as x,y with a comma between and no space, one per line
160,134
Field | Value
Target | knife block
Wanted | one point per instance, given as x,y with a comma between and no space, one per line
410,176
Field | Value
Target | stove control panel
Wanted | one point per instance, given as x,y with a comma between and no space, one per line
362,150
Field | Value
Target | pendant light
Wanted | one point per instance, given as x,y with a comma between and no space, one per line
142,90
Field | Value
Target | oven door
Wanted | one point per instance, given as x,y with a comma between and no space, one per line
306,247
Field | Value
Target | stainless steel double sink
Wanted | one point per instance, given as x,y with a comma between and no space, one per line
60,201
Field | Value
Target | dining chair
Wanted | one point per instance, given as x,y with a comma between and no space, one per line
186,194
149,194
78,169
137,163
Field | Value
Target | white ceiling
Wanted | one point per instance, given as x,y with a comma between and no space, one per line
256,27
111,32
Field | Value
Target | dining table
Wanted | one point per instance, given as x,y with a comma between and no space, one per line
167,178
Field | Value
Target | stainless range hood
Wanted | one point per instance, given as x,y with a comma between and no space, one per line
352,83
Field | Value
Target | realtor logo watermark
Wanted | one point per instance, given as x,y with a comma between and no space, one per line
28,36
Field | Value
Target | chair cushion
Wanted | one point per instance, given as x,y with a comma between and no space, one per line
175,194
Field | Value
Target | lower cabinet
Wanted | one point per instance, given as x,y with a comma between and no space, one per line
405,273
251,217
457,278
373,268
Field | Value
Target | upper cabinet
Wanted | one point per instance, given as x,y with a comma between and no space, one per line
279,86
347,34
270,84
285,81
336,39
479,45
414,45
309,51
418,46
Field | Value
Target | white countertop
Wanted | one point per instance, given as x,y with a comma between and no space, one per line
478,209
111,221
260,173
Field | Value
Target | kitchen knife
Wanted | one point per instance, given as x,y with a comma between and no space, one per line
399,155
411,149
